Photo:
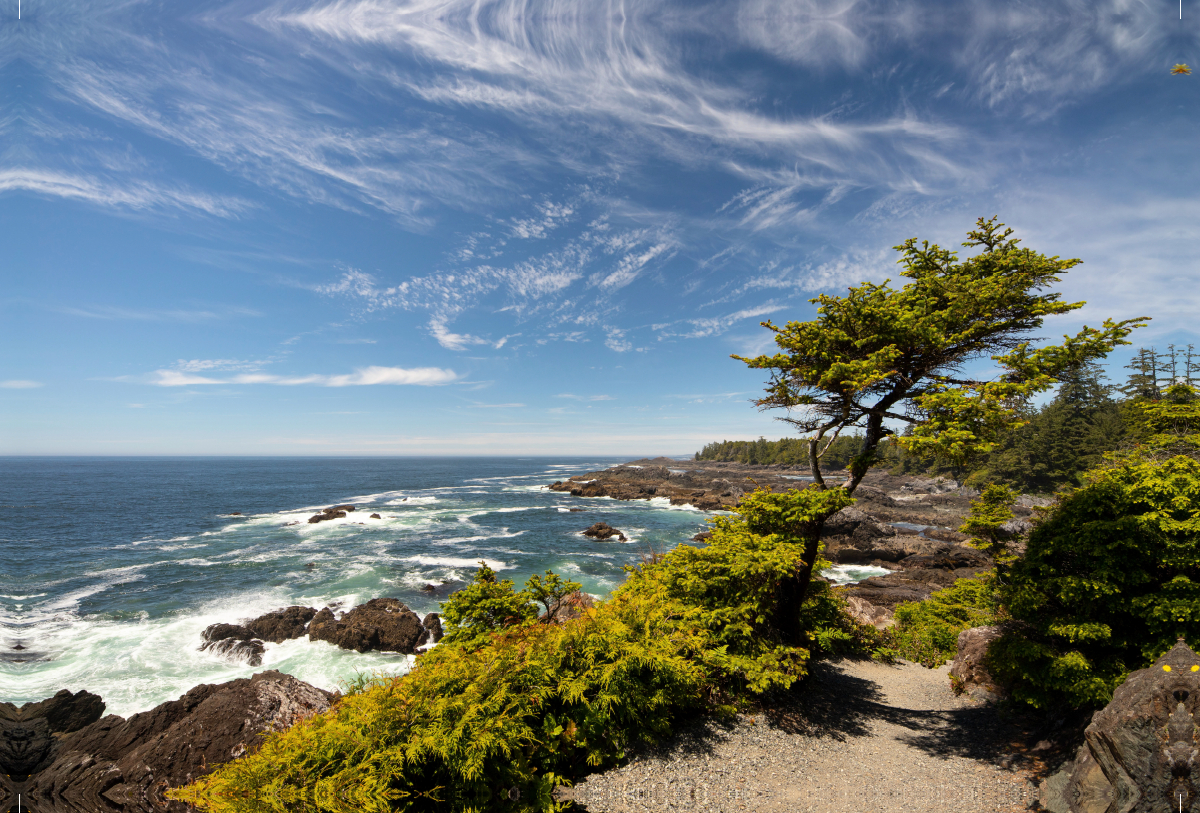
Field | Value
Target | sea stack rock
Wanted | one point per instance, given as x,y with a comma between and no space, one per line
603,531
380,625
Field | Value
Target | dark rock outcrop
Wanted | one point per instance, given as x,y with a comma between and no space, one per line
66,712
126,765
25,744
380,625
969,670
603,531
572,606
233,640
890,590
888,549
333,512
864,612
1140,751
376,516
433,625
281,625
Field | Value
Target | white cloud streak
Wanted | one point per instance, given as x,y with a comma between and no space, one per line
20,384
364,376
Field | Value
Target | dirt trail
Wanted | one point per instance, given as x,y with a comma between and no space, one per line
859,736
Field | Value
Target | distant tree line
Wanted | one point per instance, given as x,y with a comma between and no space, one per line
1062,439
787,451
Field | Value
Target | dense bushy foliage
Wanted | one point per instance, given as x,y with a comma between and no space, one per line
508,708
1111,576
1056,445
1110,579
926,632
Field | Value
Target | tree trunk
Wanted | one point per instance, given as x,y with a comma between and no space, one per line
793,591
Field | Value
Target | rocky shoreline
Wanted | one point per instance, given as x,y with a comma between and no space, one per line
63,754
906,524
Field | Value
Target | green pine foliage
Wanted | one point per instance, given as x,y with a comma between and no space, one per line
506,709
926,632
1110,579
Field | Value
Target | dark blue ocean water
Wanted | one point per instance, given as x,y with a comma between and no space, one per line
114,566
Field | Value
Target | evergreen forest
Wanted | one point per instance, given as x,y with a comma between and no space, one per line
1059,441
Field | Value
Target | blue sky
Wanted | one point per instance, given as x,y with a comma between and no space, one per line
443,227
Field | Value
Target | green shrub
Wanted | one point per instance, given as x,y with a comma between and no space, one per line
926,632
506,709
1110,579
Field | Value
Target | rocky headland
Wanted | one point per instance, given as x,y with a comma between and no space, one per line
62,756
903,523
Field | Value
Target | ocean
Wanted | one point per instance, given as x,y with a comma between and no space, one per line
114,566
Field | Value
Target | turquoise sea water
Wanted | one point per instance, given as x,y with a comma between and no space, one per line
114,566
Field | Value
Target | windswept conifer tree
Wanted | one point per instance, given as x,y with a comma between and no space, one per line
882,356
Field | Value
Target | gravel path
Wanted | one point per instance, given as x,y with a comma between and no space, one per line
858,736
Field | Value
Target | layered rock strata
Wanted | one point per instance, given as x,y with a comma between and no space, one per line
129,764
1141,753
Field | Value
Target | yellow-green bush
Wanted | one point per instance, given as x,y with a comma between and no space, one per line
926,632
496,721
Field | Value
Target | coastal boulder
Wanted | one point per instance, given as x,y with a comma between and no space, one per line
380,625
864,612
969,671
66,712
602,531
433,625
281,625
233,640
127,765
1139,752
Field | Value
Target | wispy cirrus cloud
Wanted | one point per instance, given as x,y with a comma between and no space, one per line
20,384
704,327
569,285
118,193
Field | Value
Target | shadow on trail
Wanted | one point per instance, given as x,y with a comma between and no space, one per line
834,704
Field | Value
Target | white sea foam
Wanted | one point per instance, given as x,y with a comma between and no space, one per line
663,502
135,665
450,561
460,540
849,574
404,501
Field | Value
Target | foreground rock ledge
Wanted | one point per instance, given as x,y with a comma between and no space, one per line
1140,752
127,765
